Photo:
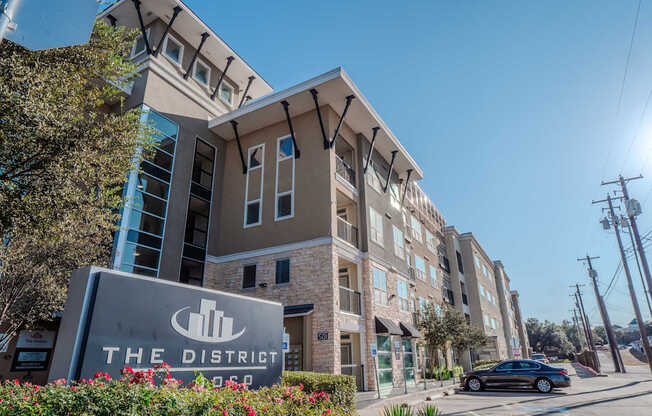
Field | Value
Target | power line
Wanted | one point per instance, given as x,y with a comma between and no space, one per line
629,55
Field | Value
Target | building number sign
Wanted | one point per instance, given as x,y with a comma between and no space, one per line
322,336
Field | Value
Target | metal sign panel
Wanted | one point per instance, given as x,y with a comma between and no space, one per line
374,350
35,339
53,24
128,320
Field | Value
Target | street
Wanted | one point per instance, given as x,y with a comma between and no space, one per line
626,394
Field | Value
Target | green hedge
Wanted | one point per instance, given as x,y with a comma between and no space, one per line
481,365
341,388
156,393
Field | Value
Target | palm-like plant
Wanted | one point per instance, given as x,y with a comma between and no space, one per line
429,410
398,410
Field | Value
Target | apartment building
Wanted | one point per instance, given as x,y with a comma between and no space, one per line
524,341
510,326
476,293
303,196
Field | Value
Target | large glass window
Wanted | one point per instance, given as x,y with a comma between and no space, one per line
408,360
384,360
199,211
375,226
254,186
431,242
283,271
433,276
380,286
138,242
402,290
416,228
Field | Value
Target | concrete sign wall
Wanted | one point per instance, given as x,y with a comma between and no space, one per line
115,319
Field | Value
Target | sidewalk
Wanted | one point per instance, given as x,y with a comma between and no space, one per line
368,404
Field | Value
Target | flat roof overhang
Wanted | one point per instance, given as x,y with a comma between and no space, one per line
189,26
333,87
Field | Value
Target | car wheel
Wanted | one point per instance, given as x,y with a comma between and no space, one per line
474,384
543,385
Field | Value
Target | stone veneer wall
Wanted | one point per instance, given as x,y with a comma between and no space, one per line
312,280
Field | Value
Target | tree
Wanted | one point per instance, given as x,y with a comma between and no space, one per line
547,336
442,325
66,144
572,334
599,333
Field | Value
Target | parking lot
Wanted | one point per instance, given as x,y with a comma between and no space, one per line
627,394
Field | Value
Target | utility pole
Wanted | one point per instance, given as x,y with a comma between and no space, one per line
577,329
589,334
630,284
638,264
634,209
613,346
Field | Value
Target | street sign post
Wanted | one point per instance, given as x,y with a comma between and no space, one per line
374,353
48,24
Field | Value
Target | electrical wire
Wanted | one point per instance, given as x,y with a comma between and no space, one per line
629,55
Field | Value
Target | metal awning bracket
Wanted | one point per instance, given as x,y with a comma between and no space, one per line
339,124
407,182
321,121
244,94
204,36
142,26
286,105
175,13
237,139
389,173
371,148
219,81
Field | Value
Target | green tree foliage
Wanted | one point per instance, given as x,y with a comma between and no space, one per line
573,334
547,337
66,144
442,325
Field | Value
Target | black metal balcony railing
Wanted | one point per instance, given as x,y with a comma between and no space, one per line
347,231
349,300
412,274
344,170
465,300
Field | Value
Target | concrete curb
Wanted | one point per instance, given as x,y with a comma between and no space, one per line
410,398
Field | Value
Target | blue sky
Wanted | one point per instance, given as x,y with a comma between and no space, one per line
510,108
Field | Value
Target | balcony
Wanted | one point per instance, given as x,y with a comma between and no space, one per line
349,300
412,273
420,274
347,232
345,171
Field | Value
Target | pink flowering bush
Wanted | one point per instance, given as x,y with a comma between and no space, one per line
156,392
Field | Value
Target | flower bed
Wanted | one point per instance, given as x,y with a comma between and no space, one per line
155,392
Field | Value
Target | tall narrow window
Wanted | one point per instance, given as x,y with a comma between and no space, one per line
433,276
283,271
284,178
416,228
460,263
420,267
401,286
198,217
375,227
249,276
138,243
399,243
380,286
139,45
254,186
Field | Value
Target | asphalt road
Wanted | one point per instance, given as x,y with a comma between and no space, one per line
617,394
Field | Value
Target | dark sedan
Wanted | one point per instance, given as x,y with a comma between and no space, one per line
517,374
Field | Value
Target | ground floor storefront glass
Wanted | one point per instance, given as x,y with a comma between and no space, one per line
384,361
408,360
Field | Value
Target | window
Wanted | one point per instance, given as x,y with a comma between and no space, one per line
192,272
139,45
433,276
395,193
420,266
482,290
385,356
493,323
408,359
416,228
249,276
284,178
226,93
431,242
202,72
374,177
376,227
282,271
254,186
460,264
512,365
139,240
402,291
486,320
380,286
423,304
399,243
198,214
477,262
173,49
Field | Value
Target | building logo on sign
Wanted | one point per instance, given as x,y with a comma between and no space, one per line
209,325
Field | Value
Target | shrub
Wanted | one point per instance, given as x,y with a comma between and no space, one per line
398,410
429,410
155,392
458,371
341,388
481,365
